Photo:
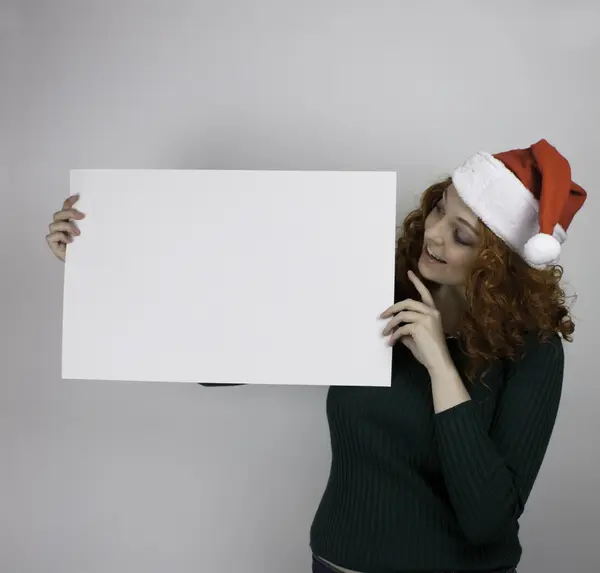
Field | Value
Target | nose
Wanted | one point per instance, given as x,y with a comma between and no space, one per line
435,233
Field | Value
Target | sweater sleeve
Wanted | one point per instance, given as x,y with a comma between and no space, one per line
489,475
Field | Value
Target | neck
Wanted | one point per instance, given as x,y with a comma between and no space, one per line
451,303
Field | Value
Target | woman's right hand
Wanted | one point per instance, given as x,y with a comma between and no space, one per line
63,227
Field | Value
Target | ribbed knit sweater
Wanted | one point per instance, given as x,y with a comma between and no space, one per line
413,491
410,490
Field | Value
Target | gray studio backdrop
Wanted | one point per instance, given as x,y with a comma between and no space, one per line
113,477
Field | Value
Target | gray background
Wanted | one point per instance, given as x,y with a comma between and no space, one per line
112,477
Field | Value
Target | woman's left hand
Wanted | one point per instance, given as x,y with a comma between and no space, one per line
418,325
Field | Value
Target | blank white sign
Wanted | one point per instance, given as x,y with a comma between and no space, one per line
256,277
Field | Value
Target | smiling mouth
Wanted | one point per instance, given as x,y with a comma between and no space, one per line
433,257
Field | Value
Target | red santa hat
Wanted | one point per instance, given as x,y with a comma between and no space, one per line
525,196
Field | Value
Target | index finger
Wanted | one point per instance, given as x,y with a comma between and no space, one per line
70,201
423,290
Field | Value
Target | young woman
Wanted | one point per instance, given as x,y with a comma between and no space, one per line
432,474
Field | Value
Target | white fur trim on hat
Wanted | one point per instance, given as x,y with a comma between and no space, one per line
499,198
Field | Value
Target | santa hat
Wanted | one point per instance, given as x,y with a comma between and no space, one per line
525,196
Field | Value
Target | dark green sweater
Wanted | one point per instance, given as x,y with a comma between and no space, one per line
414,491
411,490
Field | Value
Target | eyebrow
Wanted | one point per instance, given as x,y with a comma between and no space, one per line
461,220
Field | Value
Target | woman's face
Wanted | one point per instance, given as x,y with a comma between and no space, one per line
451,241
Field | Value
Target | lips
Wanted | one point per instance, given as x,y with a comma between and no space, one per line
432,256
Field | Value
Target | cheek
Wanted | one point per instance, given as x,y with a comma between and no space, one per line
460,259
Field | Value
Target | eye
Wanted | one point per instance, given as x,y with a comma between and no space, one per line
461,239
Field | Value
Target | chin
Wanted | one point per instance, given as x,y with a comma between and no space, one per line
435,275
426,272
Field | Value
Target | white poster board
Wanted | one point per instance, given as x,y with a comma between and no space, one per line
256,277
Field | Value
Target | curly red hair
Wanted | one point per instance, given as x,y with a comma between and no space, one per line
506,298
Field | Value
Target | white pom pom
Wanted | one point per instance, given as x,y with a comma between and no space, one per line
542,249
